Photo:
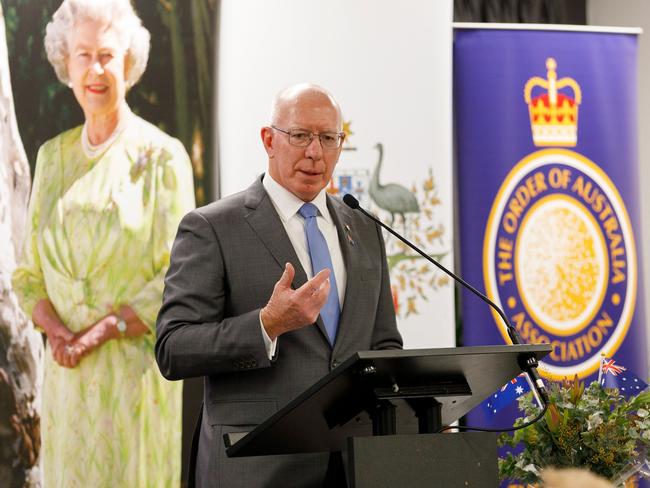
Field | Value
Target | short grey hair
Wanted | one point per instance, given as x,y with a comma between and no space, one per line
293,92
118,14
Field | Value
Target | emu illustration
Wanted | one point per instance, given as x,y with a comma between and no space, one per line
392,197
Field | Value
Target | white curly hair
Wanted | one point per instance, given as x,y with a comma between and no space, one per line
118,14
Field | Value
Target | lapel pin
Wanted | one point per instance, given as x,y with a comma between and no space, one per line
348,229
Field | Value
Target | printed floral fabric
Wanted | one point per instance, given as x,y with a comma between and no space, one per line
99,235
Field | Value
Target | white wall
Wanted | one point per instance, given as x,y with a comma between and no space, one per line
389,66
635,13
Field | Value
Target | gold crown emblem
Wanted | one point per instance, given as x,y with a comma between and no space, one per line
553,115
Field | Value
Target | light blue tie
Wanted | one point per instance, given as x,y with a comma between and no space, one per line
321,259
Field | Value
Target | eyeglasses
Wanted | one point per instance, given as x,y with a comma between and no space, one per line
303,137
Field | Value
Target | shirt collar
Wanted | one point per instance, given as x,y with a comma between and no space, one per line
287,204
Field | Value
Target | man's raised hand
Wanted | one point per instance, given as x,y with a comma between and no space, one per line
290,309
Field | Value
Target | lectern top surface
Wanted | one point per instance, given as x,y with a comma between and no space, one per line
317,420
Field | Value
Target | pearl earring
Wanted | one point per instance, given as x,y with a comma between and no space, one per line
69,84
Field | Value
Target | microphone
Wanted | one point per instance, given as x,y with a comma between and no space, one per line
528,364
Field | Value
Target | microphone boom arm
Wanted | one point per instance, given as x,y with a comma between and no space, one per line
528,364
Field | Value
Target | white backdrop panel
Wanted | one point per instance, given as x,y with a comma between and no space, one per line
389,65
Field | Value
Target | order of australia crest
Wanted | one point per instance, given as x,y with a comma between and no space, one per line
559,253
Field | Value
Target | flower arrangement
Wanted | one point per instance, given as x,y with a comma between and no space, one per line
595,428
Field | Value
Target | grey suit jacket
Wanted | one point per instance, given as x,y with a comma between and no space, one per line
225,262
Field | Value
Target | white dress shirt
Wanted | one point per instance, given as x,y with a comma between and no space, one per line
287,206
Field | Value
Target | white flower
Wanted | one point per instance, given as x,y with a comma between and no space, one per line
594,420
529,467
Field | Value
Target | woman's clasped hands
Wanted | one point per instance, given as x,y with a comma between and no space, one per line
68,348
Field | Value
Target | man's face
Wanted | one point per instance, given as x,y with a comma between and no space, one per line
304,171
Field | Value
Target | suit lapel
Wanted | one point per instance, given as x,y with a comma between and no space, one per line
266,223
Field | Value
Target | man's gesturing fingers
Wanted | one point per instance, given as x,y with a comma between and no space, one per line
316,285
289,309
287,277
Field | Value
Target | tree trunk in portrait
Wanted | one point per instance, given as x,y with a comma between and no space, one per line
203,36
190,30
181,104
21,347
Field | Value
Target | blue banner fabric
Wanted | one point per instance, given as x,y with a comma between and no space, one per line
548,196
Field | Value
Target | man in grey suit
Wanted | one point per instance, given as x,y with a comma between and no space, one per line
269,290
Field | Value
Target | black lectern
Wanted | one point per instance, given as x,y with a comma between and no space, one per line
396,387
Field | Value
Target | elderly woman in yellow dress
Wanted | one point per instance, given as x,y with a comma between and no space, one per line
106,201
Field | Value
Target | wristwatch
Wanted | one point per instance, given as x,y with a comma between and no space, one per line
121,326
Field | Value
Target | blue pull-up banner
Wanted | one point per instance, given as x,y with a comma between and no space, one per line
548,195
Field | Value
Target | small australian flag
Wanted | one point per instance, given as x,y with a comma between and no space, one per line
614,375
507,394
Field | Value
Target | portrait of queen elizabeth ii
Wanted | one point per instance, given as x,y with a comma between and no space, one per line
106,200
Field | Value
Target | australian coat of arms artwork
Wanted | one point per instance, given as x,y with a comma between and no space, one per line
411,211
